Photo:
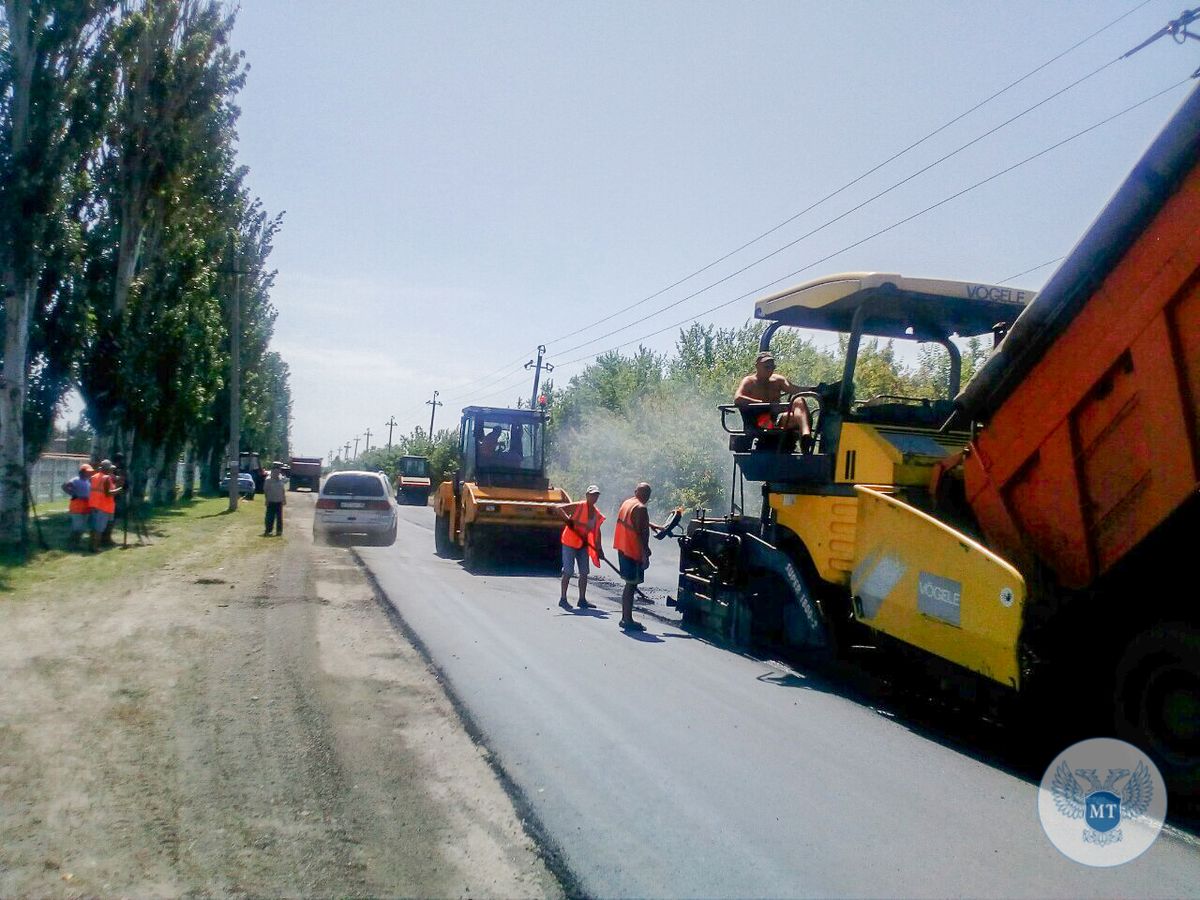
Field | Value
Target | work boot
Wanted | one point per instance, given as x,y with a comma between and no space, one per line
583,604
630,625
564,603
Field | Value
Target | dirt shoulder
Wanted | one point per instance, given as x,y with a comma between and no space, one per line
241,719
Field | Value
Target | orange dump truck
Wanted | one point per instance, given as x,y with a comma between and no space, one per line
1084,467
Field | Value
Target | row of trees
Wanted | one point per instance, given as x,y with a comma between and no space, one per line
650,416
126,227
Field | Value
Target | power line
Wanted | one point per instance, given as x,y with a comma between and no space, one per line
852,182
891,227
1048,262
848,212
517,364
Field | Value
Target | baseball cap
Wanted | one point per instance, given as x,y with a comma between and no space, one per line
86,469
764,357
592,489
106,464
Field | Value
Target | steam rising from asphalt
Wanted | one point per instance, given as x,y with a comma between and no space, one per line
675,442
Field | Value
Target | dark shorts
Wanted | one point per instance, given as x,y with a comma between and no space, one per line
572,557
632,571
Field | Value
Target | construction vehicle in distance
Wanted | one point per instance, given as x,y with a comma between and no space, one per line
412,480
304,472
499,498
1027,539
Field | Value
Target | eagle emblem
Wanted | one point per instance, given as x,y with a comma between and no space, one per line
1101,805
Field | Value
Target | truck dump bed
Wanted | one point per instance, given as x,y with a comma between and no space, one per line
1089,407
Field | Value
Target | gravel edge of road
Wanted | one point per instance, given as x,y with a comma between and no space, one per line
531,823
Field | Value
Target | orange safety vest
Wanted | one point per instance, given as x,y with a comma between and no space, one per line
78,504
99,499
573,536
626,538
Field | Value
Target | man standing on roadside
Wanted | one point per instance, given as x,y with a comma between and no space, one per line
102,501
79,489
275,494
580,540
632,542
120,510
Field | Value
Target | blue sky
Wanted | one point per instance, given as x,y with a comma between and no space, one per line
464,181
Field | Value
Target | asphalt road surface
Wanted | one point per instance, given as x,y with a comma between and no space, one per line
661,765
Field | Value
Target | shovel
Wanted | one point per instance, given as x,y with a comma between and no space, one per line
663,532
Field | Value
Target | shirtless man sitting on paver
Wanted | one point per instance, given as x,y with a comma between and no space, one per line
764,386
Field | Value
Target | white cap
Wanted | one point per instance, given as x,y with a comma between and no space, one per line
592,489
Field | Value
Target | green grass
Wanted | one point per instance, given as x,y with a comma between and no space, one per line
170,531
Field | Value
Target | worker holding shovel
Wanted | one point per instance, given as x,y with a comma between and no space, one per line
580,540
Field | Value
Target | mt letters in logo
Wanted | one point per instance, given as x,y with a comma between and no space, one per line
1102,802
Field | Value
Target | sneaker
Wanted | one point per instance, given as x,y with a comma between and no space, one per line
583,604
630,625
564,603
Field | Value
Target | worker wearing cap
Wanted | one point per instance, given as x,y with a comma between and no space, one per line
102,502
764,386
580,540
79,489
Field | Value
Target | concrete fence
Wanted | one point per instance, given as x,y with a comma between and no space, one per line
52,469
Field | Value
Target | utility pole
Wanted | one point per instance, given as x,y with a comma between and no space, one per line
357,438
347,456
330,457
435,403
235,394
368,446
391,423
537,373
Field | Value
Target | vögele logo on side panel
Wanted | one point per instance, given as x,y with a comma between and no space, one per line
1102,802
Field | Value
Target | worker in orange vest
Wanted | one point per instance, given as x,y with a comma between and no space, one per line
102,501
79,489
632,542
580,541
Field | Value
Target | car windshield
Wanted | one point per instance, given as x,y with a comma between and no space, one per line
350,485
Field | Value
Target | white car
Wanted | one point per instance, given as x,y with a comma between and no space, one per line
356,503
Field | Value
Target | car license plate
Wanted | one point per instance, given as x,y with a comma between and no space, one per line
348,504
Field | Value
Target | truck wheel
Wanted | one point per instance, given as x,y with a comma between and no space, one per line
441,536
1158,702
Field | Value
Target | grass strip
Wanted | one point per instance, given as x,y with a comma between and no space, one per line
167,533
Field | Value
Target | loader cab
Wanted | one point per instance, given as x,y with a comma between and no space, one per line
503,447
864,306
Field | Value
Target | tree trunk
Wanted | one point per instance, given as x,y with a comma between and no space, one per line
189,472
17,306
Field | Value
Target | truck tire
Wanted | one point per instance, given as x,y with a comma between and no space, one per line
441,536
1158,702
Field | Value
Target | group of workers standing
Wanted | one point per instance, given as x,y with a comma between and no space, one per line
581,535
95,493
581,543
